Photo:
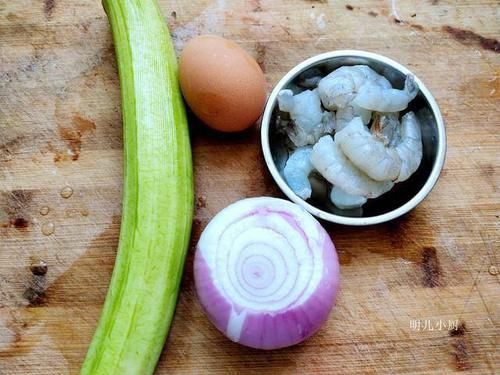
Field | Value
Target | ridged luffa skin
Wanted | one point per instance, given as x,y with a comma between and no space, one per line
157,196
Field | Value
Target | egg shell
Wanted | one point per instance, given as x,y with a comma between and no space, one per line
222,84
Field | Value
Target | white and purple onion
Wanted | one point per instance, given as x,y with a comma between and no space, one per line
266,273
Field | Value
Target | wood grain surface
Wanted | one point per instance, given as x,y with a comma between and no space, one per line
60,126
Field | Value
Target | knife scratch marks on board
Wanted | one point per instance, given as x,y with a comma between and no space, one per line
16,207
69,286
37,285
461,347
431,268
260,55
469,37
8,336
49,6
35,291
210,21
12,328
9,148
19,223
72,136
256,6
488,173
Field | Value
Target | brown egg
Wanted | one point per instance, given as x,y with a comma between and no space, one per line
222,84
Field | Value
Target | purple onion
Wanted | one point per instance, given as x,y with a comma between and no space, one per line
266,273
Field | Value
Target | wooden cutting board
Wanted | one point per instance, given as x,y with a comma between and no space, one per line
419,294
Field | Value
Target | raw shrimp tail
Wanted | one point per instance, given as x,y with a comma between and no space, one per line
411,87
285,100
297,170
373,97
410,148
309,121
346,201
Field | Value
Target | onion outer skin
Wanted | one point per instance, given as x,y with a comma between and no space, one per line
277,323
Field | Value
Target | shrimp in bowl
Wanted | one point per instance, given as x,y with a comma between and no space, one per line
393,158
401,124
353,129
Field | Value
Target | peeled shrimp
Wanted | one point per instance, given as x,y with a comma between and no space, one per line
304,108
334,166
366,152
340,87
410,148
376,98
310,122
346,201
395,151
297,170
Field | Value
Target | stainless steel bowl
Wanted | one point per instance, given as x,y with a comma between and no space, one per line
405,195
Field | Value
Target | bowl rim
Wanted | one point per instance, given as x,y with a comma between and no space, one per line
355,221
